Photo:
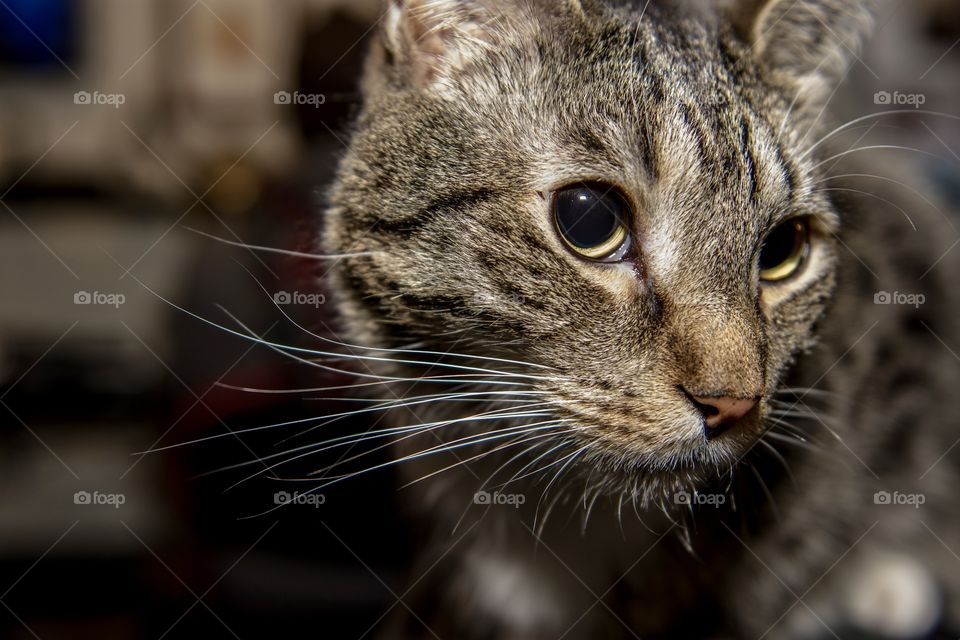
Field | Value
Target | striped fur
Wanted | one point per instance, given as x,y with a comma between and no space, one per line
474,112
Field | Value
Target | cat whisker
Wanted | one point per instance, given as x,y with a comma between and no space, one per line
345,440
899,183
406,431
327,419
793,440
806,391
881,114
285,252
875,196
512,443
516,476
568,460
589,509
792,403
766,491
789,428
460,443
424,352
485,484
878,147
396,461
293,350
458,378
779,458
792,413
402,403
352,439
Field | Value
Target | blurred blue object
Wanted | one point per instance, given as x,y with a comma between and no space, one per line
947,179
34,33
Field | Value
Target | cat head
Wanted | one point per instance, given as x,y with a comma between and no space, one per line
622,195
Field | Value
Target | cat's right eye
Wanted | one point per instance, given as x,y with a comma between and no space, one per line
593,221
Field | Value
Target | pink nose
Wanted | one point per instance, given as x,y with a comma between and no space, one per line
722,412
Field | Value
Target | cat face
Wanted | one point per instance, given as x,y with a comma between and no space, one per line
624,200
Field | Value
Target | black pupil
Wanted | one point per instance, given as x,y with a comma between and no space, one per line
588,216
780,245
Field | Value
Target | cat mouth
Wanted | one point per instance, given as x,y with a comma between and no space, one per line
699,445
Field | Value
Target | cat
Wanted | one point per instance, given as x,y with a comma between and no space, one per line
600,262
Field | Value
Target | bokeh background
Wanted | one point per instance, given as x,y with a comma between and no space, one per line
129,129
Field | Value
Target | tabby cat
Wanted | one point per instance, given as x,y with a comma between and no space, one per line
632,330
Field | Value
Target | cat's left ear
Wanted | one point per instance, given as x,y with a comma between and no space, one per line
431,40
807,43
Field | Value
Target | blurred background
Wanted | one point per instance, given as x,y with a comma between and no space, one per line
128,130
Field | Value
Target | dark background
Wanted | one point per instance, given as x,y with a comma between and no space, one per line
101,199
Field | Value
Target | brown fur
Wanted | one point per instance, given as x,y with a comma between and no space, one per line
475,112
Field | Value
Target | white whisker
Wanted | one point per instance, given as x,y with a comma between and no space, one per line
875,196
407,431
857,121
285,252
877,147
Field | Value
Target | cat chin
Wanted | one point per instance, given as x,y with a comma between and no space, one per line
695,458
662,484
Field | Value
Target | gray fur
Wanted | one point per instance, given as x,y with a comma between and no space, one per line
474,112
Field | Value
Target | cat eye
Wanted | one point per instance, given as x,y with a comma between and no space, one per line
592,220
784,250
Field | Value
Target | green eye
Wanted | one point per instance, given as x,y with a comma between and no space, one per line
593,221
784,250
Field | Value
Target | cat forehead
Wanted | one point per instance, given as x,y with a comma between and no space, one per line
646,129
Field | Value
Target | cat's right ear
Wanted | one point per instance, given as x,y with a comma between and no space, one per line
430,40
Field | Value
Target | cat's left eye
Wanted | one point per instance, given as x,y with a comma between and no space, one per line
784,250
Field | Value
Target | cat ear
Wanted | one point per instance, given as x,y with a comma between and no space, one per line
809,43
433,38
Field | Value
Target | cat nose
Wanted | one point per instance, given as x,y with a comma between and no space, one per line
722,412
